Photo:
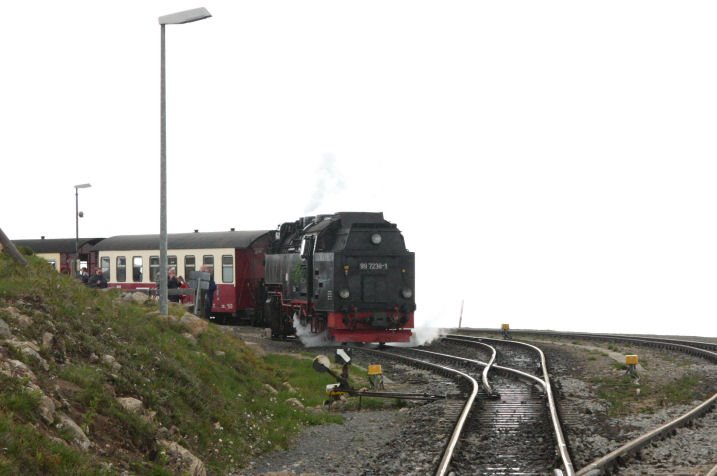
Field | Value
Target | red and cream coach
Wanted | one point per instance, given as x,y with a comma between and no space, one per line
236,259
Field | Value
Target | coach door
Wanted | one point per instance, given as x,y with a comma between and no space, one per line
242,281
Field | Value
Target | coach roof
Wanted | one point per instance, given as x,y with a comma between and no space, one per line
176,241
55,245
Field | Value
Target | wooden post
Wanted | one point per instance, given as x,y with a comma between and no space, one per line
10,249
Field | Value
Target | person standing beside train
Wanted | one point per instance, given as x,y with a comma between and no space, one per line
209,294
184,299
172,283
97,280
84,275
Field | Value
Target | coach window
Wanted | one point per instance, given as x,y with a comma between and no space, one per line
105,265
154,269
227,269
208,261
189,265
121,269
137,269
172,263
53,263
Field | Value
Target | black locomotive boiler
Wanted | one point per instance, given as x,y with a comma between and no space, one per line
348,274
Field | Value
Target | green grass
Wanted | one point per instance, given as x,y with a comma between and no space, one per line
621,393
313,384
25,450
16,398
683,389
301,375
216,402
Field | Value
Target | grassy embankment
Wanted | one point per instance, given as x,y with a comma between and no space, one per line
205,392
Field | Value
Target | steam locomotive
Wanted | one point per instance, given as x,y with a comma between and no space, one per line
349,274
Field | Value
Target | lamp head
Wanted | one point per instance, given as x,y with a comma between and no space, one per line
186,16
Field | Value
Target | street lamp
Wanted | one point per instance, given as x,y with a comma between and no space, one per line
178,18
77,226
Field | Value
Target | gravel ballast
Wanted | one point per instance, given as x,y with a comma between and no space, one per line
389,442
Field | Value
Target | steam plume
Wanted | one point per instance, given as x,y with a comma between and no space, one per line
328,180
308,338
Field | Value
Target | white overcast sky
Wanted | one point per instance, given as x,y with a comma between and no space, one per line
552,164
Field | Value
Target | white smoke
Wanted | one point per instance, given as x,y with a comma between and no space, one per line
423,336
328,180
308,338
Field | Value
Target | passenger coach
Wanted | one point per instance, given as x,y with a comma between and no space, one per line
61,252
236,258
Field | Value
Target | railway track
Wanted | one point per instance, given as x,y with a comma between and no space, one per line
667,449
509,428
656,451
447,419
683,345
516,359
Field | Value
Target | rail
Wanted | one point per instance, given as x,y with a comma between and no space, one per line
707,350
486,369
667,344
545,382
458,428
631,447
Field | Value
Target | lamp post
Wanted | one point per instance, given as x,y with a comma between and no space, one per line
178,18
77,226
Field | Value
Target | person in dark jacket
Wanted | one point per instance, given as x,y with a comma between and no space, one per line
172,283
209,294
97,280
84,276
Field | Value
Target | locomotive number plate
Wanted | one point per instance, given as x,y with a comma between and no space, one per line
373,266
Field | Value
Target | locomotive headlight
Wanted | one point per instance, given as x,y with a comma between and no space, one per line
376,239
344,293
407,293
